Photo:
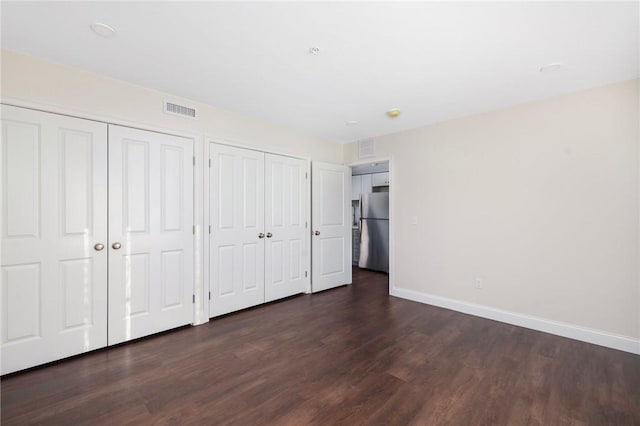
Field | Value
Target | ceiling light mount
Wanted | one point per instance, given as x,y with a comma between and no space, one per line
315,51
393,113
103,30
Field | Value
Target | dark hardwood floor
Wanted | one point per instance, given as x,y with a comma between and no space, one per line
351,355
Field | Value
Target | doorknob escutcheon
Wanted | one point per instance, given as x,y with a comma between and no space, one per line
261,235
316,233
98,247
116,246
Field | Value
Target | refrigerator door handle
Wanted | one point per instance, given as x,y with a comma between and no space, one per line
360,218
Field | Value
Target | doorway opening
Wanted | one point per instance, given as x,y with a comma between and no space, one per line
370,206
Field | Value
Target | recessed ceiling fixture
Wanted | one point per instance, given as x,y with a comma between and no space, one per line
553,66
314,51
103,30
351,123
393,112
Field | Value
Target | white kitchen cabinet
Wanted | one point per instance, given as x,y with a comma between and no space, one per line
68,285
363,184
380,179
356,187
367,184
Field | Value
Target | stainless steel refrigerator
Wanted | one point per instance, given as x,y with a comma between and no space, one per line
374,231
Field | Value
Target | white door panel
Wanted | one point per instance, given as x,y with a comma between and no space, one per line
151,218
286,201
331,240
237,221
54,283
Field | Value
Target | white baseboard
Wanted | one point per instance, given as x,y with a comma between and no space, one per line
583,334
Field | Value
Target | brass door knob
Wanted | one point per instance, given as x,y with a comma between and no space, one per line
98,247
116,246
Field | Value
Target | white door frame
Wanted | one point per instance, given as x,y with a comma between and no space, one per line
204,210
392,210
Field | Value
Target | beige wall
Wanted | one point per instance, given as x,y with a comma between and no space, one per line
37,81
540,200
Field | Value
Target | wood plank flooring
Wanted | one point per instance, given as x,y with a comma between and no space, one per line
347,356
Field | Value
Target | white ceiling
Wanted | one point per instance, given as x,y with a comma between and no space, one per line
434,61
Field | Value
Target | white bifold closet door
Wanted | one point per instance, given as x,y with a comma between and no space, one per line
259,244
54,221
151,239
237,236
331,218
287,243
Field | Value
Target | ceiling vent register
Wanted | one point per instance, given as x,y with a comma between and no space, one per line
366,148
181,110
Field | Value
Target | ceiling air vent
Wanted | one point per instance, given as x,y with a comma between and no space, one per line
366,148
181,110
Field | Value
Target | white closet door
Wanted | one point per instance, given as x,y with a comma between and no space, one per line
151,265
287,244
331,218
237,229
54,198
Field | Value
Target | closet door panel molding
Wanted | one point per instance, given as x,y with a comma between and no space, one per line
237,240
54,198
151,269
286,225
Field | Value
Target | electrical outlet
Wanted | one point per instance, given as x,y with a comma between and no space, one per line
479,283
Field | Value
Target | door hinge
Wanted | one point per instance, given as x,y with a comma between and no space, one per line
306,175
306,224
194,161
209,295
194,230
305,274
194,299
209,229
209,162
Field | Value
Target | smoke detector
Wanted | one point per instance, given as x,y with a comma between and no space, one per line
554,66
103,30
